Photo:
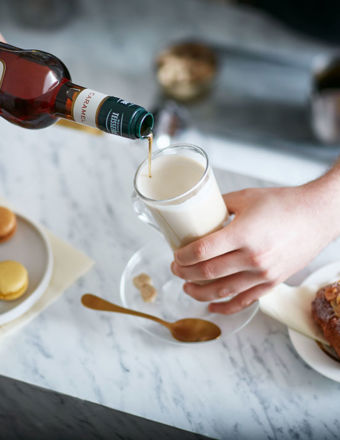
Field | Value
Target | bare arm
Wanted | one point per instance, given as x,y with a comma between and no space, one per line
275,233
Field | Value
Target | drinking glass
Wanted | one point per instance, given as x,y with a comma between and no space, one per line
190,215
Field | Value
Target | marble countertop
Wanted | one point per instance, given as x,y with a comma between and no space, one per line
252,384
79,186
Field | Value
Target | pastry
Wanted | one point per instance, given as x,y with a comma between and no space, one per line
13,280
8,223
326,313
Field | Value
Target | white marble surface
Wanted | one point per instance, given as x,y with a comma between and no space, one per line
252,385
79,186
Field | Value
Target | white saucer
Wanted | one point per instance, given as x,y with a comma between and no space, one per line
308,349
30,247
171,303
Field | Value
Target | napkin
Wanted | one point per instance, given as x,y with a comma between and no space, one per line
292,307
69,265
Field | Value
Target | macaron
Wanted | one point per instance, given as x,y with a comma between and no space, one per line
8,223
13,280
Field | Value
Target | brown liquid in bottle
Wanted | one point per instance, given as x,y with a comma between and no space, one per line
150,140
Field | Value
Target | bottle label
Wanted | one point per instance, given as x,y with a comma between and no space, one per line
86,106
2,71
113,114
108,113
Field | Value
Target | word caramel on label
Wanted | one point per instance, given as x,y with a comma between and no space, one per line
2,71
86,107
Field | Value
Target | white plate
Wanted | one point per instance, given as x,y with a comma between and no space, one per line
30,247
171,303
308,349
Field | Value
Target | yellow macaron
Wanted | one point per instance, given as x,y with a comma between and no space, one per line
13,280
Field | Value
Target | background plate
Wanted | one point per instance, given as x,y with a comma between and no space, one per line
30,247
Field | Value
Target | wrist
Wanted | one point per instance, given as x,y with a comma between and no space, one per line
322,197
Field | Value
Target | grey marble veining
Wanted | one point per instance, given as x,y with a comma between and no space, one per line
79,186
251,385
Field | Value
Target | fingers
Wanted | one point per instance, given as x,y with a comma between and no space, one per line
220,242
241,301
218,267
232,201
237,200
211,246
224,287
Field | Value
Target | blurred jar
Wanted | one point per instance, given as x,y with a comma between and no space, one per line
186,71
43,14
325,99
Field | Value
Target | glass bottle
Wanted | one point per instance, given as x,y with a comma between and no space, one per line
36,89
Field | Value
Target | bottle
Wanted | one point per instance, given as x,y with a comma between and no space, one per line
36,90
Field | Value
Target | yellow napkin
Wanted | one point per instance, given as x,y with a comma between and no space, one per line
69,265
292,306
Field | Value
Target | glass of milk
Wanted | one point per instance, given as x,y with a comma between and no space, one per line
181,199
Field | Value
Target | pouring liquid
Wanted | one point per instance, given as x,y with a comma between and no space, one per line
150,140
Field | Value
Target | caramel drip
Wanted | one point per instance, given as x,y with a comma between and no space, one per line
150,140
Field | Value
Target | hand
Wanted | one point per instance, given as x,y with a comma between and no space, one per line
2,39
275,233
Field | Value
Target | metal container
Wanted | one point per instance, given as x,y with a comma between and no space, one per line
325,98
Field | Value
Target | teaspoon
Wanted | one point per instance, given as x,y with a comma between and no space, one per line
184,330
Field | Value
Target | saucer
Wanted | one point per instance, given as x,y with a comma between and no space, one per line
307,348
30,247
171,303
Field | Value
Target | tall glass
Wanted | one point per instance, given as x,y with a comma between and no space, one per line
189,215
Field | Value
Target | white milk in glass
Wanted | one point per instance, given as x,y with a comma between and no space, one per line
191,216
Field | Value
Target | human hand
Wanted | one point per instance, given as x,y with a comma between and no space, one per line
275,233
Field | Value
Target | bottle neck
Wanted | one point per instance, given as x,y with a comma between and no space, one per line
108,113
65,99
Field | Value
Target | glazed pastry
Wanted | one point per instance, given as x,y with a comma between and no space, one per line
13,280
8,223
326,313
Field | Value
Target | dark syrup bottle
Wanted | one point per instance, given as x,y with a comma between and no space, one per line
36,89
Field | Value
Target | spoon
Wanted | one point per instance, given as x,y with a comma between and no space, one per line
184,330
